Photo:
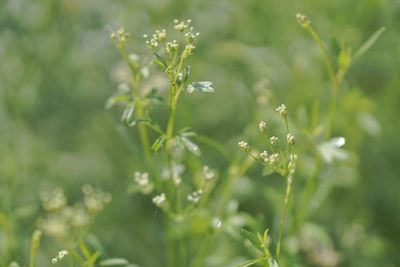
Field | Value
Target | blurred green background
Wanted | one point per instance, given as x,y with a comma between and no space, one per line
58,66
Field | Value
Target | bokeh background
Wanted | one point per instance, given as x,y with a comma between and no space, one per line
58,66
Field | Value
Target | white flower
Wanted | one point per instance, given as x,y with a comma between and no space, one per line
244,145
141,179
282,110
273,159
208,174
195,196
262,126
159,199
264,155
291,140
274,140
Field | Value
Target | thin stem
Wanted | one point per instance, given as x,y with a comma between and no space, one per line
305,198
335,83
283,215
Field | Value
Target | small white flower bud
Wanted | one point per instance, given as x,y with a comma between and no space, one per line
159,199
282,110
262,126
274,159
244,145
274,140
264,155
303,20
208,174
195,196
291,140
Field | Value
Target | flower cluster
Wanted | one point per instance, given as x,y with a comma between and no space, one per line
159,200
68,224
303,20
119,37
279,159
61,254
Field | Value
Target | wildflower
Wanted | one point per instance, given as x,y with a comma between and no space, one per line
290,139
208,174
159,199
195,196
141,179
181,26
262,126
282,110
161,35
171,46
244,145
303,20
264,155
274,140
53,200
273,159
59,256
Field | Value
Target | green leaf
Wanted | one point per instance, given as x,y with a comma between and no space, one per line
265,238
369,43
272,263
186,73
204,86
267,170
116,99
192,147
114,262
344,59
153,95
158,143
251,262
252,238
138,121
160,61
128,112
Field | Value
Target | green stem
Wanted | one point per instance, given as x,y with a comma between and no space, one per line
307,193
283,215
335,83
143,134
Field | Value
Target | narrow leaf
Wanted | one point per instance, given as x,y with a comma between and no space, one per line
369,43
128,112
116,99
114,262
158,143
160,61
252,238
192,147
251,262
